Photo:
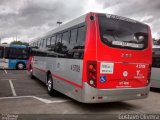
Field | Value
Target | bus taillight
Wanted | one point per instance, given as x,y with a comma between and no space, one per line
92,73
149,74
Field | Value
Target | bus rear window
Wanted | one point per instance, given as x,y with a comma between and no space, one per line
123,33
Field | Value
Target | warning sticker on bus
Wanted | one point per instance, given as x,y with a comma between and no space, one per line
106,68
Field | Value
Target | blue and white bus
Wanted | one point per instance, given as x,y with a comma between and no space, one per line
13,56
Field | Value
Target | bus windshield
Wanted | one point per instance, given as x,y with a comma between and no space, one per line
122,32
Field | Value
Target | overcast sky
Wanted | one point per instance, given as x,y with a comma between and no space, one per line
27,19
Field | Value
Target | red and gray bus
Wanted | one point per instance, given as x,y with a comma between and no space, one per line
95,58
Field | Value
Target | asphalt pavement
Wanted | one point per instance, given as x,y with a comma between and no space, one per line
21,95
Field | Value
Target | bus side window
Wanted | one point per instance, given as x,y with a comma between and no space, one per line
80,42
34,53
36,44
39,44
65,43
6,52
58,45
81,36
44,43
48,42
59,38
12,53
72,45
53,40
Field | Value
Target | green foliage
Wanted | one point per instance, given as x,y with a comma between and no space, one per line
20,43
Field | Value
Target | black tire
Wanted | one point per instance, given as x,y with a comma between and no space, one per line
50,89
31,73
20,66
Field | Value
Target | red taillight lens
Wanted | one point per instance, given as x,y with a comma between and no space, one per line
91,67
92,73
149,74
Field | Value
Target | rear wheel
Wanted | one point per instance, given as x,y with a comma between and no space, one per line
20,66
50,85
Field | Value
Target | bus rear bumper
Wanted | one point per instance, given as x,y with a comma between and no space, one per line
92,95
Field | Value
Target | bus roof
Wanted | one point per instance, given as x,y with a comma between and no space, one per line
69,24
76,21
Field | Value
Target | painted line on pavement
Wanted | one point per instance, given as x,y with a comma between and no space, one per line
37,98
6,71
12,88
7,79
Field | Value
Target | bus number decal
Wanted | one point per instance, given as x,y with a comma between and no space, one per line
106,68
142,66
75,68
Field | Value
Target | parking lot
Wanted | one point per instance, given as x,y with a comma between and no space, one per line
21,95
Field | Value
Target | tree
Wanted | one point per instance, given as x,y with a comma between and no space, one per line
20,43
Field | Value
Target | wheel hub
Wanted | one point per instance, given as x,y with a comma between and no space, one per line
49,85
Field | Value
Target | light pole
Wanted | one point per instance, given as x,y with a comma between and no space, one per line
59,23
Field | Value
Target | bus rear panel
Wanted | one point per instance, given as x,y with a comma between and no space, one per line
121,64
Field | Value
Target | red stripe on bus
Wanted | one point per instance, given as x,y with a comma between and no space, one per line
68,81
